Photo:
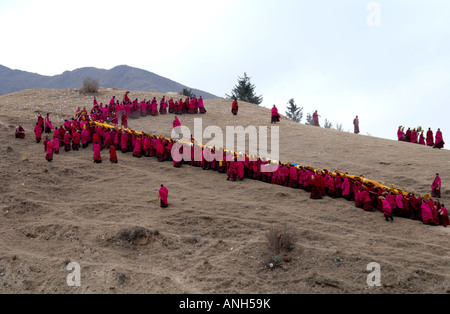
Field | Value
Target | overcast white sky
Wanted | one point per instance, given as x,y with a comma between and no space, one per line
388,63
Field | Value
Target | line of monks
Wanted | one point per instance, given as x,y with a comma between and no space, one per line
417,136
134,109
82,131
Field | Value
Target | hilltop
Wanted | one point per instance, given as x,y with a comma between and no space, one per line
212,237
122,76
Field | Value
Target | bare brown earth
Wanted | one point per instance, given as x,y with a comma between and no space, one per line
212,238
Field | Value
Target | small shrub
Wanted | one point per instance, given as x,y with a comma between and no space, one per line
90,86
280,240
135,236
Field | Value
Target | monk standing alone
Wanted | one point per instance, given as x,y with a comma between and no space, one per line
162,195
356,125
234,107
316,119
436,187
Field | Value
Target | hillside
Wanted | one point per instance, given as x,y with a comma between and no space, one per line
212,237
122,76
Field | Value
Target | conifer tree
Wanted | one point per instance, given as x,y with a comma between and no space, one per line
244,90
294,112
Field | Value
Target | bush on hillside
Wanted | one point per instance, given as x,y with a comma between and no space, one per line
90,86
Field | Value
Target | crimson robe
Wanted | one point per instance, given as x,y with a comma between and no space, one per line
436,187
97,156
317,187
38,132
430,138
112,154
386,208
137,147
439,142
49,152
234,107
427,216
163,196
366,200
421,139
443,217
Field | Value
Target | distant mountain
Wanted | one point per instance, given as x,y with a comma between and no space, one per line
122,76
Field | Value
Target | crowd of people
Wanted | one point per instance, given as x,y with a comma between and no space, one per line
320,183
90,129
417,136
127,108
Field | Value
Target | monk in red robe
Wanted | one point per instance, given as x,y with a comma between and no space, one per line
176,125
163,196
356,125
49,152
240,169
154,108
414,136
430,137
126,99
38,132
40,121
113,155
201,105
84,137
48,124
97,156
425,209
408,135
232,171
234,107
172,106
421,138
76,140
400,134
332,187
275,116
443,216
67,141
160,150
124,142
316,119
46,140
357,188
317,186
191,109
439,141
386,207
346,188
55,145
436,186
124,121
137,147
293,176
20,132
366,200
163,106
179,107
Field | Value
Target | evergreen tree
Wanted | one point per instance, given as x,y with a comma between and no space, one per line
309,119
245,91
293,112
339,127
187,92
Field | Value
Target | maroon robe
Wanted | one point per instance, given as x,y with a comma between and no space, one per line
163,196
317,187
